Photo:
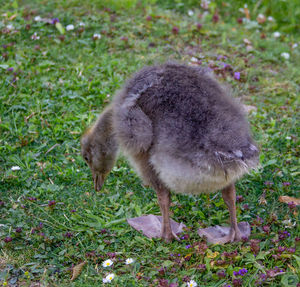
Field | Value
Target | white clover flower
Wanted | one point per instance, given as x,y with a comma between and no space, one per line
10,27
288,138
128,261
192,283
108,278
276,34
13,168
37,18
70,27
107,263
194,59
190,12
285,55
35,36
295,45
81,24
96,36
270,18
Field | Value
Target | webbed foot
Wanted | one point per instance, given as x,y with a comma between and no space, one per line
222,235
151,226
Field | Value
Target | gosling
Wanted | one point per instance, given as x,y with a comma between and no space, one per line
181,131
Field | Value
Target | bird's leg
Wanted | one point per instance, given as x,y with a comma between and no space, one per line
228,194
222,235
164,200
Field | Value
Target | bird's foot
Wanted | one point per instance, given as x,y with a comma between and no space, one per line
168,236
222,235
151,226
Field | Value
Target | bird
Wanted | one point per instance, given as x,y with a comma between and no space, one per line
182,131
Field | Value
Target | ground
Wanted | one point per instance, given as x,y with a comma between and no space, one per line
56,79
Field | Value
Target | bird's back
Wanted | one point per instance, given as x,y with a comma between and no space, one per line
191,118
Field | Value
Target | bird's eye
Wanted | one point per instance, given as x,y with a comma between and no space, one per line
86,158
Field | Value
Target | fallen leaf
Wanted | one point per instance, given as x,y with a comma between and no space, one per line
77,270
12,17
262,200
288,199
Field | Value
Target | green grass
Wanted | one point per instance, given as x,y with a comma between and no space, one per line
58,86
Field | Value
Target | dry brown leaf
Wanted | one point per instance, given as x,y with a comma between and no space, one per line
77,270
12,17
262,200
288,199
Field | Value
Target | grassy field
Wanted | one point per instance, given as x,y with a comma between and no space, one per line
55,79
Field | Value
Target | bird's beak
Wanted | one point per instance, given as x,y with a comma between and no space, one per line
98,180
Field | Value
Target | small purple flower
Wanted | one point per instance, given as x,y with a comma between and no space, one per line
175,30
221,274
286,183
239,198
124,39
7,239
281,249
103,231
263,276
291,250
185,237
31,198
237,282
1,203
54,21
73,210
243,271
254,246
292,205
283,235
201,267
18,229
10,69
51,203
199,26
188,246
266,229
237,75
227,67
68,234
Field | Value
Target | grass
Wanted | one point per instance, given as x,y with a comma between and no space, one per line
54,85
